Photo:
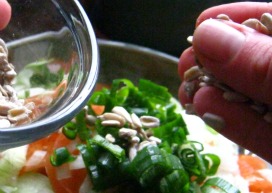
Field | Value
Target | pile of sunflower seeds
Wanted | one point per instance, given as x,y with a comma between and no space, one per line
198,76
132,128
12,110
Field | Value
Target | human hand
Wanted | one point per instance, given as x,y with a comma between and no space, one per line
5,13
241,58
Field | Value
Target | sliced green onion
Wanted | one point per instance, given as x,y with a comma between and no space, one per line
61,156
212,163
175,182
153,90
116,150
218,185
69,130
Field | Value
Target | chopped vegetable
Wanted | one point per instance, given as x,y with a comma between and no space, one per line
218,185
25,184
93,152
138,138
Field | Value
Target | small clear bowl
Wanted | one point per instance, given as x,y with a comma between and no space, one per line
54,41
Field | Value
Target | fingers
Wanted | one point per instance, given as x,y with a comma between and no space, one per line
242,125
238,12
236,55
5,13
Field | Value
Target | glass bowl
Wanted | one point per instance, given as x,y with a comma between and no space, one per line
54,51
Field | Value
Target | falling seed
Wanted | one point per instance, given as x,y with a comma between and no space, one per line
190,39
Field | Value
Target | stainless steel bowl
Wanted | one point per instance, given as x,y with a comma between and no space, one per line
124,60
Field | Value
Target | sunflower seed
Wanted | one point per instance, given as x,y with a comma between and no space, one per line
132,151
3,91
113,123
90,119
150,121
113,116
192,73
16,111
215,121
190,39
190,88
19,119
257,25
144,144
135,139
155,139
207,79
136,122
266,19
123,112
5,106
223,17
110,138
126,132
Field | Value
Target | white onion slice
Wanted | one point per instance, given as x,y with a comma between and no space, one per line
77,164
63,171
36,158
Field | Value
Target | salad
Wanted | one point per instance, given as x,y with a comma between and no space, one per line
132,138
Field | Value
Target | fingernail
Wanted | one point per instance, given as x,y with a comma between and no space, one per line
217,41
214,121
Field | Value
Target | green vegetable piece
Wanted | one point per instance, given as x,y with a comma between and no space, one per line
153,90
173,132
212,163
11,162
61,156
81,126
218,185
34,183
69,130
116,150
175,182
107,160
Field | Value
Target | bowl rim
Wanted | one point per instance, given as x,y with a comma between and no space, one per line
137,48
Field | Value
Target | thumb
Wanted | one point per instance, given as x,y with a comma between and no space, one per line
5,13
236,55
